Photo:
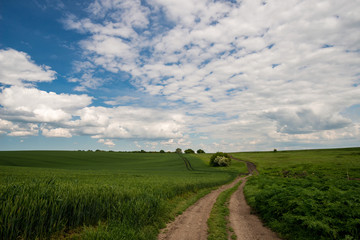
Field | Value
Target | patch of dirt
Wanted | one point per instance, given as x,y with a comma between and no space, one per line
246,225
192,224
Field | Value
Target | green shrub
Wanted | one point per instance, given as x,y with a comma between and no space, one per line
307,208
220,159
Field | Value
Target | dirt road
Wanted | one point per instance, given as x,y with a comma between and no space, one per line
192,224
246,225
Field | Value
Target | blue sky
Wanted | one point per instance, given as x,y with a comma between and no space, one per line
158,74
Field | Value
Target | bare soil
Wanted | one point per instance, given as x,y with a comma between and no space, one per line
192,224
246,225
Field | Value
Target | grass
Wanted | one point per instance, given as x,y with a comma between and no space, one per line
98,195
218,222
310,194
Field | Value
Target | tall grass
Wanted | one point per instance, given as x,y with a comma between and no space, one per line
129,201
307,194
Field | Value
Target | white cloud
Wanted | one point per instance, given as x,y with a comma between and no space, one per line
107,142
17,68
18,129
129,12
56,132
25,110
129,123
253,72
307,121
75,117
122,100
33,105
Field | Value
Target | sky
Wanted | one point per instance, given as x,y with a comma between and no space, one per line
123,75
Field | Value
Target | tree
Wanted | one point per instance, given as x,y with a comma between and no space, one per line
200,151
162,151
178,150
187,151
220,159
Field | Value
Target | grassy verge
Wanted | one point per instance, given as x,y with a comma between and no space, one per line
312,194
218,220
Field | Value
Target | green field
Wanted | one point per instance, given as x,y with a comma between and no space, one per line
99,195
311,194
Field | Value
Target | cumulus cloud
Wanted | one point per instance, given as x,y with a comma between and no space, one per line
129,123
25,110
306,121
250,71
107,142
283,68
33,105
56,132
17,68
122,100
73,114
18,129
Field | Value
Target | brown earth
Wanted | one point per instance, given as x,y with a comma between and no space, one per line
246,226
192,224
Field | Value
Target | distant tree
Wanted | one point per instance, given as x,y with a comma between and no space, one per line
187,151
162,151
275,150
178,150
143,151
200,151
220,159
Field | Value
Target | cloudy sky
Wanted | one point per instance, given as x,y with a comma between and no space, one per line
160,74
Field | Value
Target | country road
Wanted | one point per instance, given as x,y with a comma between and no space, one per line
192,224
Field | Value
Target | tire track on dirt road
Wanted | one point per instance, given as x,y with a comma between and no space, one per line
247,226
192,224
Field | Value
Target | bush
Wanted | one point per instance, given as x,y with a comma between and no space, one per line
220,159
200,151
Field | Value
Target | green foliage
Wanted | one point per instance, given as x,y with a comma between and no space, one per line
218,221
199,151
178,150
162,151
131,194
307,208
220,159
307,194
189,151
